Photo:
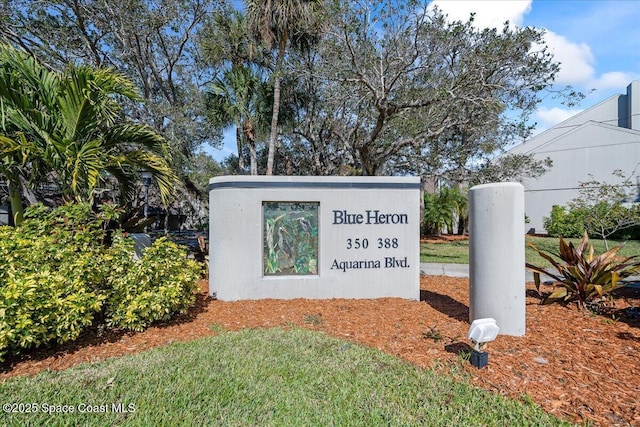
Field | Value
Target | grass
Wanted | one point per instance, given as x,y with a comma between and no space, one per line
266,377
457,252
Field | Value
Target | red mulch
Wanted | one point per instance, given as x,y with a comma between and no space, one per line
578,366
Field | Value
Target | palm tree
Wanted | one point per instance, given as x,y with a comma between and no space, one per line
237,94
9,166
92,141
226,39
234,98
443,208
26,87
70,125
279,23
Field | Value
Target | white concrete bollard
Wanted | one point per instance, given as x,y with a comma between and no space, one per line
496,255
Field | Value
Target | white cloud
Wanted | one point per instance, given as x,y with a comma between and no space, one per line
617,80
549,117
577,66
576,60
489,13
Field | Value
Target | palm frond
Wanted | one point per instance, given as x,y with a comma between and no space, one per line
162,174
70,123
131,134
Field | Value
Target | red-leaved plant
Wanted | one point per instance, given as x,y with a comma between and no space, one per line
581,276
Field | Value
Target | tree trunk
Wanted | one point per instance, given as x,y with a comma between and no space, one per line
17,209
369,166
239,143
254,158
250,137
166,221
461,224
276,105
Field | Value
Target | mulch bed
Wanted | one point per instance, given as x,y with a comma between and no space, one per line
578,366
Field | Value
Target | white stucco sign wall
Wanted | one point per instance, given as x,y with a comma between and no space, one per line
314,237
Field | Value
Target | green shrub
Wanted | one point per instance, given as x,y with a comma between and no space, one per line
159,285
72,223
442,209
40,307
564,223
49,277
57,275
68,239
600,220
631,233
606,213
581,276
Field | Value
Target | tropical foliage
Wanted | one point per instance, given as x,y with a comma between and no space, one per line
409,90
238,95
69,126
582,276
235,98
280,24
58,276
374,88
442,210
152,42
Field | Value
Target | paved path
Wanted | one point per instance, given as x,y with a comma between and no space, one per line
453,270
462,270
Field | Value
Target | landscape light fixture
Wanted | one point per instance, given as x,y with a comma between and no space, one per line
481,332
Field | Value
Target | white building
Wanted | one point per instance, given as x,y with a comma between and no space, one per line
589,145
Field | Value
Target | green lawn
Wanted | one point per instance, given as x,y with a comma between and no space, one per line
451,252
458,252
265,377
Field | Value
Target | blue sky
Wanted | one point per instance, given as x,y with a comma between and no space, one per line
597,43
